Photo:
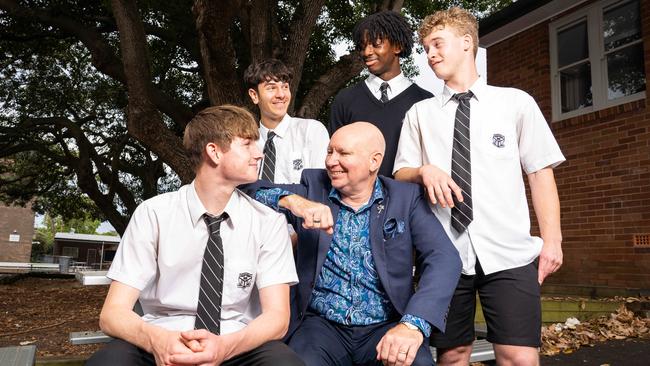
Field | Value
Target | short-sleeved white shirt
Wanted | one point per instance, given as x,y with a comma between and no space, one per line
161,254
300,144
507,133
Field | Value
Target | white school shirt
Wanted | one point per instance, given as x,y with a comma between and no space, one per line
507,133
300,144
161,254
396,85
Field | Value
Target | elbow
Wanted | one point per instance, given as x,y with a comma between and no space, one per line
282,332
104,321
283,327
107,319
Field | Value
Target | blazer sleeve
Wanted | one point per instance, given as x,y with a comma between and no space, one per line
439,263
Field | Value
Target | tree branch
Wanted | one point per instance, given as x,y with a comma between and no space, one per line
102,54
143,120
297,45
329,83
213,23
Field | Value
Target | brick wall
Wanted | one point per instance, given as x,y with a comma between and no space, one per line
605,183
22,220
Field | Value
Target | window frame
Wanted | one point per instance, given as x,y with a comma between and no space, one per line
75,250
597,57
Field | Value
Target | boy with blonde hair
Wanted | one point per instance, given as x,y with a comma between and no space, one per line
467,148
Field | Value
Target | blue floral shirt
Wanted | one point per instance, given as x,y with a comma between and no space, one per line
348,290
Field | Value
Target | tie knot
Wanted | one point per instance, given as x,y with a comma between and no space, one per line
463,96
214,220
383,87
270,136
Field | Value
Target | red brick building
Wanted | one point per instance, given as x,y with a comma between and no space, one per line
16,233
587,65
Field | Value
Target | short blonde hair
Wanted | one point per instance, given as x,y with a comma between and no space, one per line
217,125
459,20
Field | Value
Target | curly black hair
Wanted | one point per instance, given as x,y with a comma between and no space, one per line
388,25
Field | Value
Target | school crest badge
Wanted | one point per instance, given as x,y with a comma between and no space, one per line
297,164
244,280
498,140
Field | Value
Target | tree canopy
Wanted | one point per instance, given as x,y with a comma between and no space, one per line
96,94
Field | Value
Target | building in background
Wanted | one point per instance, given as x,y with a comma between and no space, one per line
16,233
587,64
86,250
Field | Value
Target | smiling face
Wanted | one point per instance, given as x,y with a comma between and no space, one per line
354,155
449,54
273,98
238,165
381,58
447,51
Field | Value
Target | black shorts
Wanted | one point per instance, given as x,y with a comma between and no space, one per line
511,305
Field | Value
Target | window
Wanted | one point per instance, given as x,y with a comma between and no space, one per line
70,252
597,58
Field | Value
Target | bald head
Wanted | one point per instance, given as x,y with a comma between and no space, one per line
362,136
354,156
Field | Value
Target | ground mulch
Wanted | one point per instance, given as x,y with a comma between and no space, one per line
43,312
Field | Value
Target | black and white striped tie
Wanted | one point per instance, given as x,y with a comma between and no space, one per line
208,311
461,166
268,167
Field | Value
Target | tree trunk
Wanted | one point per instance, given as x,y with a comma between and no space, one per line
144,120
213,24
295,50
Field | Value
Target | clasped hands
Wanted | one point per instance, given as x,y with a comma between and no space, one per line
195,347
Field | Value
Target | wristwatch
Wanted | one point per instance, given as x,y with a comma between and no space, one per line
411,326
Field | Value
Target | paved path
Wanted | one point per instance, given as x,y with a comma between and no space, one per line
631,352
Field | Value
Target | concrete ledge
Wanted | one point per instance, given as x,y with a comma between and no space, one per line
92,278
18,356
89,337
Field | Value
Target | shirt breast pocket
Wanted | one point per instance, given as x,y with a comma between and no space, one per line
239,280
498,144
297,162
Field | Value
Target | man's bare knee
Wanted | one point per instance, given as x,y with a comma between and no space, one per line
454,356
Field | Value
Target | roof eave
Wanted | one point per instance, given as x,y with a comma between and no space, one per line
518,17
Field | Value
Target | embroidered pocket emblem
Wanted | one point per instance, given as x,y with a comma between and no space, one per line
244,280
297,164
498,140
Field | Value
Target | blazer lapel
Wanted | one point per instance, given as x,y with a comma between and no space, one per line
377,219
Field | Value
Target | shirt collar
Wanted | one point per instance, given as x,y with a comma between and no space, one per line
374,82
478,88
377,195
280,130
197,209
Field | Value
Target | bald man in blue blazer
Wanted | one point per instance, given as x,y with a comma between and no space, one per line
359,238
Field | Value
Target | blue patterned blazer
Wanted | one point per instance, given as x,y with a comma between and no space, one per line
399,225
